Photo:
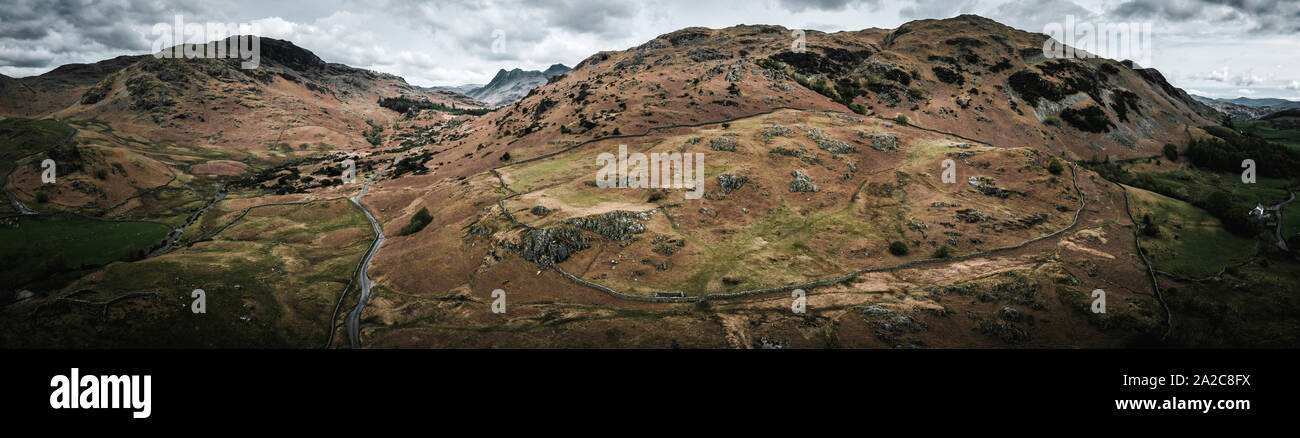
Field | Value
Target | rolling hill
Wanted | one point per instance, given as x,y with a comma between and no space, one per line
825,171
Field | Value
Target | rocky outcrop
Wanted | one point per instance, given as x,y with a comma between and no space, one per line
802,183
731,183
548,246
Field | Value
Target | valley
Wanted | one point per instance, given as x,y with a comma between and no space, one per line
938,185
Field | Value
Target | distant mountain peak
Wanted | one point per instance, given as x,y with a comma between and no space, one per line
511,85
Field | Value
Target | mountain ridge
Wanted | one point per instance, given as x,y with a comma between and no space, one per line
511,85
824,169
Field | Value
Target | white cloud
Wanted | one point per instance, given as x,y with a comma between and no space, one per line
448,42
1246,79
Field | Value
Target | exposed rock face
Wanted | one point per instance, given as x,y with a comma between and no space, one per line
723,144
615,225
730,183
666,245
548,246
988,187
553,245
829,144
1025,222
971,215
802,183
882,143
512,85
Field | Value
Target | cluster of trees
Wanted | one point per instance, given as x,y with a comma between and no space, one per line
375,135
1090,119
404,104
1226,152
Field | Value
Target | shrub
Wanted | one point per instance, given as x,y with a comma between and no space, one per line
1055,167
1149,227
42,198
898,248
823,87
375,135
901,119
1090,119
1171,152
1032,87
948,76
421,219
943,252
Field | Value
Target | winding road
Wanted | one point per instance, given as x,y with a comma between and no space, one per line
176,232
1277,210
353,320
18,205
13,200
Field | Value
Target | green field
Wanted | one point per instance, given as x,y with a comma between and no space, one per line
271,279
22,137
1191,242
37,247
1285,137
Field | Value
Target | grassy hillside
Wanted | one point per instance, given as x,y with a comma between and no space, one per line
38,248
1189,242
1285,137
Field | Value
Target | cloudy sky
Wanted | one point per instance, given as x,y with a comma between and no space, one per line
1218,48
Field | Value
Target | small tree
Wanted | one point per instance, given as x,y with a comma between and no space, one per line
1055,167
1171,152
943,252
901,119
1149,227
418,222
898,248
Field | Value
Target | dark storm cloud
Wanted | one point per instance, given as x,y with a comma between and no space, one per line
47,33
1173,10
601,18
25,59
1263,16
824,5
